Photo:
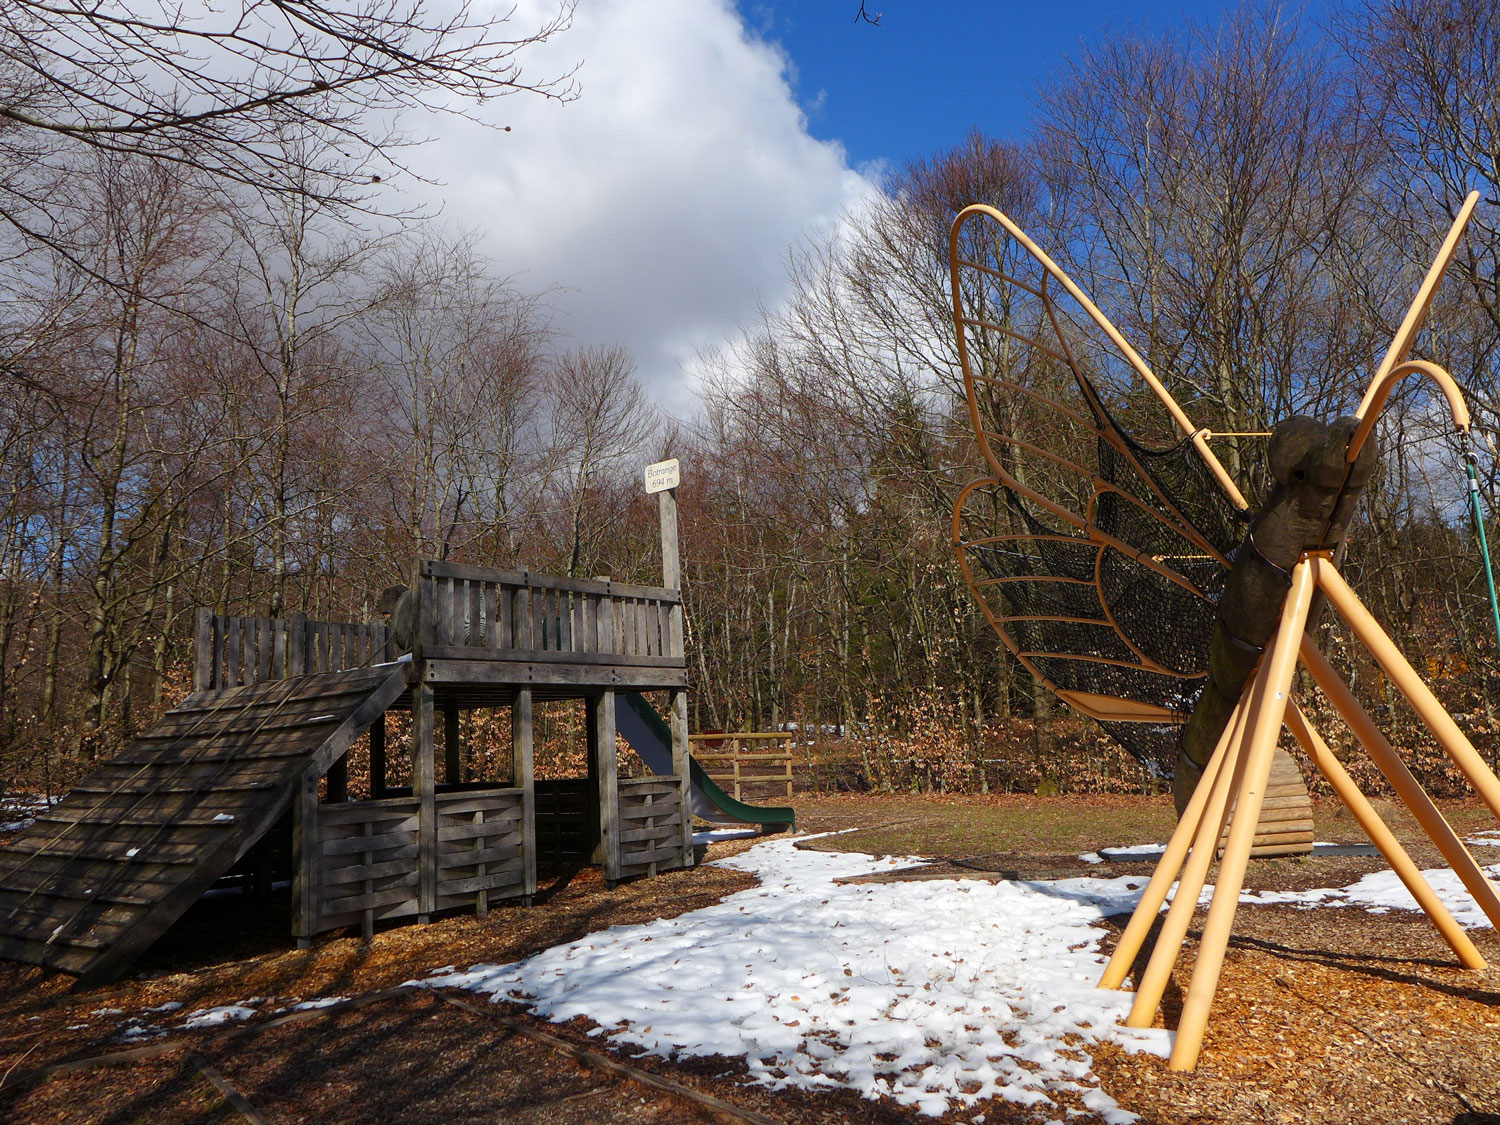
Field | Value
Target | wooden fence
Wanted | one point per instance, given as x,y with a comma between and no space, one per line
369,857
650,825
234,651
566,821
740,765
464,613
476,613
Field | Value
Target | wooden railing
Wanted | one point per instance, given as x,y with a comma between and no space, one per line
233,651
476,613
464,613
736,761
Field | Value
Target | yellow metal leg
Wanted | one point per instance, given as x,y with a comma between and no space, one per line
1411,685
1171,861
1407,787
1266,711
1174,928
1381,837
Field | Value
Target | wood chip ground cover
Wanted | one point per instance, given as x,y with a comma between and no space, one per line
1322,1014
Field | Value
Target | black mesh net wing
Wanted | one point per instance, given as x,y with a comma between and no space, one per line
1099,543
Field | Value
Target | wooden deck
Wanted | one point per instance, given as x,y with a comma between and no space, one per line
481,635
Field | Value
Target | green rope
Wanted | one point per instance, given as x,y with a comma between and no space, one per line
1484,547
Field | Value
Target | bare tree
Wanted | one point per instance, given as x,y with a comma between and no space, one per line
213,87
600,420
1201,193
457,352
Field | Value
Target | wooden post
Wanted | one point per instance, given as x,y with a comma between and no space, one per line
338,781
592,847
671,579
423,780
377,758
678,717
452,761
305,856
523,776
203,650
602,721
298,655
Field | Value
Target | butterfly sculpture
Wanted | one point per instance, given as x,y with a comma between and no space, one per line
1116,556
1111,549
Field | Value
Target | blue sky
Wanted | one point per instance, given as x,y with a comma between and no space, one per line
932,68
710,138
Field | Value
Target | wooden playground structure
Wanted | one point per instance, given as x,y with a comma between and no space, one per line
265,736
1222,816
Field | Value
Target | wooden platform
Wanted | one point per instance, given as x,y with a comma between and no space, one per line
1286,819
102,874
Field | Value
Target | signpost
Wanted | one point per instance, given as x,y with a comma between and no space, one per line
663,478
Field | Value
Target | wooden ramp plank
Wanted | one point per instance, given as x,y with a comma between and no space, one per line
100,876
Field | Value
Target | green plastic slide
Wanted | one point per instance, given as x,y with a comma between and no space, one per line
640,725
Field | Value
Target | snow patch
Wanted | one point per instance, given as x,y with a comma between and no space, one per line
937,994
320,1002
216,1017
718,835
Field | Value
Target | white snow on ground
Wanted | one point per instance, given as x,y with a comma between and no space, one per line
214,1017
1492,839
936,993
321,1002
1381,892
719,835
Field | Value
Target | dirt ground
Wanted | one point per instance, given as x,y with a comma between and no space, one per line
1321,1016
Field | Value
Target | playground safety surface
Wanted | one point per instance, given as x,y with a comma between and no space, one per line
1323,1015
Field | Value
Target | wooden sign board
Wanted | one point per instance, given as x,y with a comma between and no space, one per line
662,476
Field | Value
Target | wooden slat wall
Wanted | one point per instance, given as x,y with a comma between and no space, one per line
369,856
562,821
367,863
1285,826
238,651
477,611
650,825
481,848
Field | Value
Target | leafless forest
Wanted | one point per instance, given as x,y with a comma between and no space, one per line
228,384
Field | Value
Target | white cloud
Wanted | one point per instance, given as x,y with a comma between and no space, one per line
662,201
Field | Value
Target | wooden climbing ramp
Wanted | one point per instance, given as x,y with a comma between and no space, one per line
101,875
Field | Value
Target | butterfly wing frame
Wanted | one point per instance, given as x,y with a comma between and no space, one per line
1096,558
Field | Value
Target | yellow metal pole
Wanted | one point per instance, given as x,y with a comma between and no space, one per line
1402,341
1147,375
1405,677
1171,861
1174,928
1381,389
1438,830
1382,838
1264,717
